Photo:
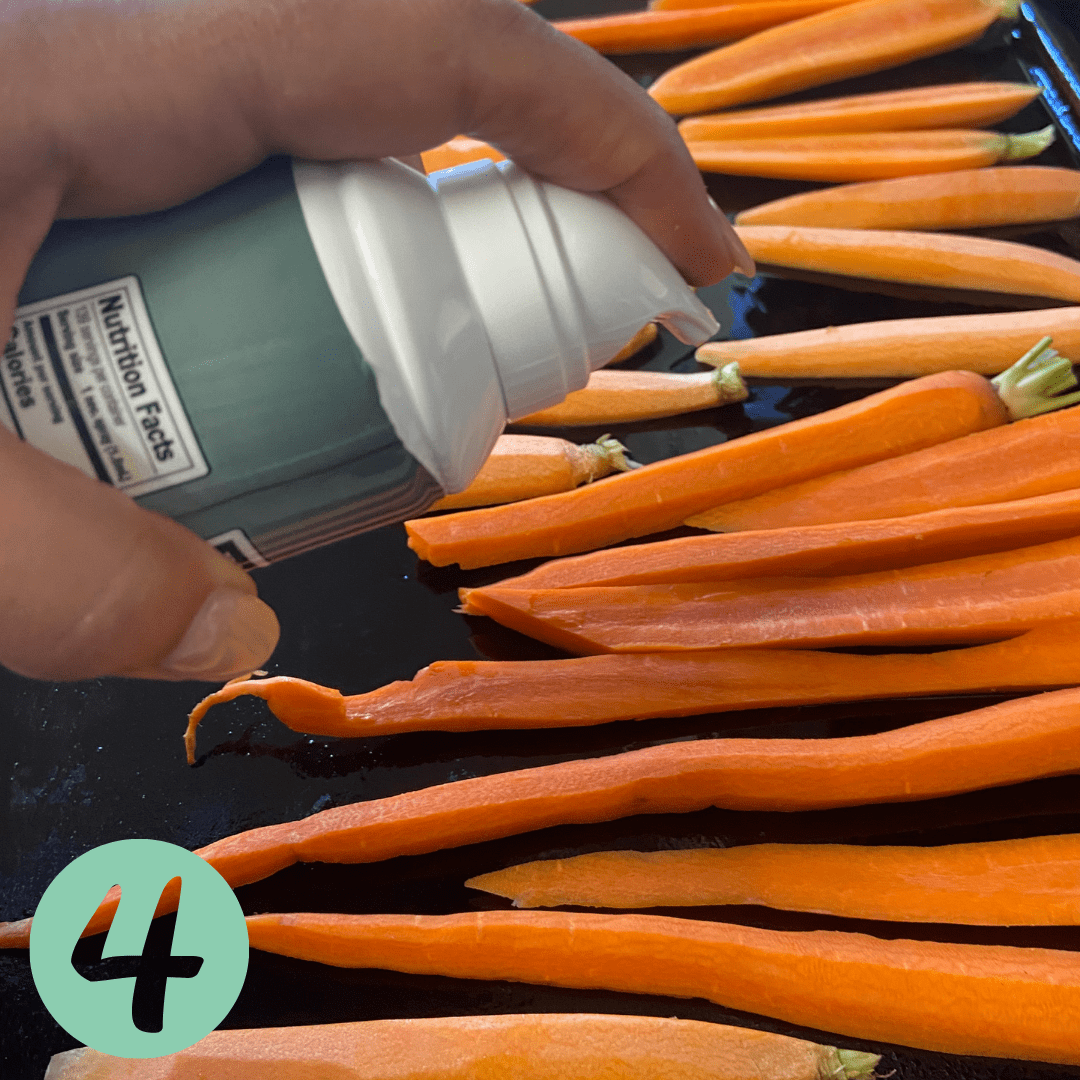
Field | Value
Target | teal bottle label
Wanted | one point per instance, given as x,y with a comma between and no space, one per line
83,379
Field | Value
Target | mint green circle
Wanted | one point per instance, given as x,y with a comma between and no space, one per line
209,923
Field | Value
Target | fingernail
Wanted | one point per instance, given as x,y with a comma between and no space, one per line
232,633
740,257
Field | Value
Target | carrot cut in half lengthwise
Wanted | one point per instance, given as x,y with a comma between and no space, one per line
900,348
982,598
826,550
474,695
619,397
659,31
965,199
660,496
553,1046
1027,459
1017,740
1025,882
962,105
839,44
938,260
996,1001
865,155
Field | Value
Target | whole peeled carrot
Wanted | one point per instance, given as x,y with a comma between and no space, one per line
661,495
981,598
1016,740
900,348
658,31
839,44
619,397
471,695
1034,457
552,1046
965,199
834,547
938,260
864,155
961,105
528,466
996,1001
1026,882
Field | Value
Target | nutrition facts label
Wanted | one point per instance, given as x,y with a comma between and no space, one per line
82,378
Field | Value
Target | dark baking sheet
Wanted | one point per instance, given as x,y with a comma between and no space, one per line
99,761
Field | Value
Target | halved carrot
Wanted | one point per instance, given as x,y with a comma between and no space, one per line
457,151
528,466
1028,459
659,31
645,336
900,348
471,695
1003,744
865,155
661,495
1026,882
996,1001
981,598
852,40
963,105
835,547
965,199
619,397
551,1046
938,260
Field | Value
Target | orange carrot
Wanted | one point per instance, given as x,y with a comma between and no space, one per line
839,44
528,466
1027,882
685,5
457,151
1017,740
966,199
997,1001
659,31
663,494
865,155
939,260
981,598
645,336
963,105
619,397
471,695
1028,459
899,348
836,547
552,1046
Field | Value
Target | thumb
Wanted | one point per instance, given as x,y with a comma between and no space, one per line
91,584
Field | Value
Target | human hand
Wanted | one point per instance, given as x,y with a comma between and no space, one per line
120,107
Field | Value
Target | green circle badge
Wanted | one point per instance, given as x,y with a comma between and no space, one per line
157,988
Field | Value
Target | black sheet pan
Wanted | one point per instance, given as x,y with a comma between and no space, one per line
102,760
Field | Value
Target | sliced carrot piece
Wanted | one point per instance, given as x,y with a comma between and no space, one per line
1026,882
528,466
471,695
982,598
1031,458
619,397
661,495
997,1001
552,1046
839,44
961,105
1016,740
965,199
659,31
645,336
457,151
938,260
865,155
900,348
